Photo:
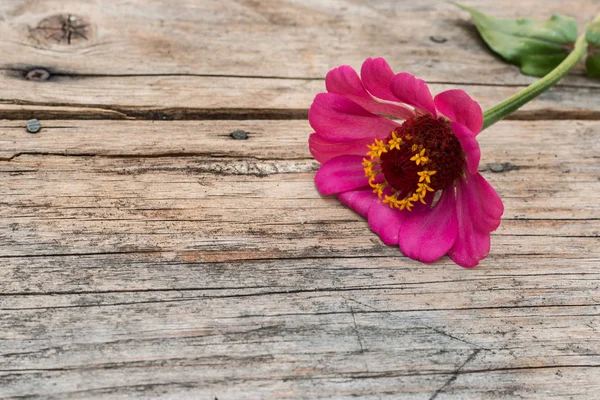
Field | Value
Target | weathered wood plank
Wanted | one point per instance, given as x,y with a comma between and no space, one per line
268,38
192,97
284,345
115,191
172,67
166,260
114,279
140,260
562,145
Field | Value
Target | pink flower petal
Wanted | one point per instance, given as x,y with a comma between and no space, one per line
457,105
469,248
324,150
469,144
429,234
341,174
359,200
478,209
377,75
336,118
345,81
486,206
413,91
386,222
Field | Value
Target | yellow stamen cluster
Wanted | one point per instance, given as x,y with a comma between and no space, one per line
395,142
372,169
425,175
420,158
422,190
377,149
377,188
408,202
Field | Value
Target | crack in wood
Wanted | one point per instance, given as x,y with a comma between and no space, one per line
73,74
77,111
275,293
100,111
446,334
352,375
398,286
355,328
455,374
174,154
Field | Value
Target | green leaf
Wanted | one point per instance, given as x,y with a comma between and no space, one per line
536,47
592,62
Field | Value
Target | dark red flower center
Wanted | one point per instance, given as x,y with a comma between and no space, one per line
418,158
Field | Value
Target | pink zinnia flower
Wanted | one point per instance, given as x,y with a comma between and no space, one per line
416,180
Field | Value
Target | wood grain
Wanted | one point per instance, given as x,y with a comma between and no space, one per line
198,97
212,268
177,63
146,254
269,38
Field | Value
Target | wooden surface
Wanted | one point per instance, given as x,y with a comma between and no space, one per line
147,254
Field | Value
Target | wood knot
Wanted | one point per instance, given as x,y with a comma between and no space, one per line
64,29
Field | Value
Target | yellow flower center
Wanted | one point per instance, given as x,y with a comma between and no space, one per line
417,159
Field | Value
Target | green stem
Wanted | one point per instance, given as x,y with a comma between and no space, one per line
501,110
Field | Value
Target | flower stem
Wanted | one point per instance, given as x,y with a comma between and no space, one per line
501,110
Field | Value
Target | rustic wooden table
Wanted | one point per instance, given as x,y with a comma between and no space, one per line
146,253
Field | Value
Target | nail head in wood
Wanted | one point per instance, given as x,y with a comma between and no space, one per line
33,126
496,167
37,75
438,39
239,134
